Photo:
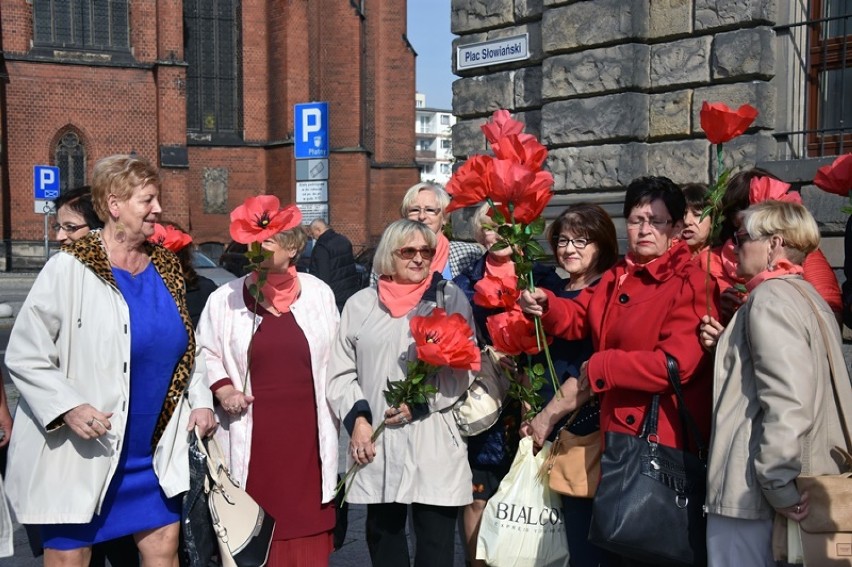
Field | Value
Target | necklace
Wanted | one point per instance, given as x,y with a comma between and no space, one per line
133,270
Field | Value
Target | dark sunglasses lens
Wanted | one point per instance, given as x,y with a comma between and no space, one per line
427,253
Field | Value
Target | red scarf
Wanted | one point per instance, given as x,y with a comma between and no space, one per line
504,270
400,298
280,290
442,254
783,267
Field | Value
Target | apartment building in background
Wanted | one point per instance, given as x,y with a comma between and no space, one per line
434,139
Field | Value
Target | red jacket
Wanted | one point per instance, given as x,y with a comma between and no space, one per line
635,316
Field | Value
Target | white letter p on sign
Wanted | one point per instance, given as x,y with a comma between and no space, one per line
311,122
46,178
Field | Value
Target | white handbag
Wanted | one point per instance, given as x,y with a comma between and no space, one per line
479,408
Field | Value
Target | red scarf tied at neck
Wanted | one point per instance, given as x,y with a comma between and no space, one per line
280,290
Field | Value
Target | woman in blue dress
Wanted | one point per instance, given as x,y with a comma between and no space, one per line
102,354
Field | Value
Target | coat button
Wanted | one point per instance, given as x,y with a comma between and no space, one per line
600,383
623,298
630,420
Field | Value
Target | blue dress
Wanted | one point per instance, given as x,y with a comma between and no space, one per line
134,500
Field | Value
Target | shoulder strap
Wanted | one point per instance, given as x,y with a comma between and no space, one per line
440,302
687,422
832,363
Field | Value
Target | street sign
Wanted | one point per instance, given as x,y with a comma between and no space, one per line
45,187
311,130
493,52
311,191
313,211
311,169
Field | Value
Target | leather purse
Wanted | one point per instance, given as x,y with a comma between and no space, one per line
243,529
649,503
574,464
479,408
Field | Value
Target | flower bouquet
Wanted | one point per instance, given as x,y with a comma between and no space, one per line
441,340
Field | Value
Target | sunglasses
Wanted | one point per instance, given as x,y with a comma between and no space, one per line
740,237
409,252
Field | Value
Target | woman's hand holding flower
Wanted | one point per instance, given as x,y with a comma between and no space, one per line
398,416
711,329
87,422
204,420
361,445
232,400
729,301
533,302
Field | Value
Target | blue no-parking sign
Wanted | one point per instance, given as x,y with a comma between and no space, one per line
311,130
45,182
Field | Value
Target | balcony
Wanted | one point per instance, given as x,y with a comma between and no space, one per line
425,155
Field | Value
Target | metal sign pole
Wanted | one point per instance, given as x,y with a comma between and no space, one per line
47,210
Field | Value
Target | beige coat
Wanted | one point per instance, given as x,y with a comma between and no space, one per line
424,461
774,415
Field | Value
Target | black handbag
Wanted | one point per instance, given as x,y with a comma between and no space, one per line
649,503
198,538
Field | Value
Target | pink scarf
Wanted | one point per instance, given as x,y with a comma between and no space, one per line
503,270
280,290
442,254
401,298
782,268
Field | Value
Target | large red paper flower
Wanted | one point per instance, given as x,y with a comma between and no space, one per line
524,149
502,124
766,188
170,238
512,333
837,177
518,189
445,340
467,186
261,217
496,293
721,124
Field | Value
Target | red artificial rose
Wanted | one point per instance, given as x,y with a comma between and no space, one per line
524,149
169,237
721,124
445,340
517,188
261,217
767,188
467,186
502,124
496,293
837,177
512,333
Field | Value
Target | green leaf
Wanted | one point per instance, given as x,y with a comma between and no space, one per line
537,226
534,250
538,369
499,245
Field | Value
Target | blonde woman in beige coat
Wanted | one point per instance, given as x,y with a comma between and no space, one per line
774,415
420,459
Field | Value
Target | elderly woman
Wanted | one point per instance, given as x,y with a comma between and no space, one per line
585,245
75,215
102,353
645,307
246,345
769,424
420,459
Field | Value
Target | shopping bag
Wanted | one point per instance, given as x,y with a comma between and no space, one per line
522,525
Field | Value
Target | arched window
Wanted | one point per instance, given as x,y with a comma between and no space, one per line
82,24
70,158
213,84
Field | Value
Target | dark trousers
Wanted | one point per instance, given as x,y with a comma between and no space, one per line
577,513
434,530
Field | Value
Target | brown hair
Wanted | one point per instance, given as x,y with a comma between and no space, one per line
590,221
119,175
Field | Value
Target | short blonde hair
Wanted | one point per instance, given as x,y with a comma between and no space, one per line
442,196
476,222
293,239
119,175
791,221
396,235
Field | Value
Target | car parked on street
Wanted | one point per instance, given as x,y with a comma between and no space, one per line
208,268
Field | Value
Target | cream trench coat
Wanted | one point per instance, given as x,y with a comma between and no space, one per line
774,415
71,345
424,461
224,331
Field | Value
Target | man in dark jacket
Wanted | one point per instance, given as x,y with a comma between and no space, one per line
332,262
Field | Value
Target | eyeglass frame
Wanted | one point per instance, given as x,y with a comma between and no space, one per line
428,211
564,242
655,224
741,236
410,252
68,227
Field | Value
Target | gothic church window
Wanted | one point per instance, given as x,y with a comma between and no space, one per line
94,25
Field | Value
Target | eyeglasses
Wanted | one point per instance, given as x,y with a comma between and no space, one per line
656,224
740,237
68,227
409,252
429,211
579,243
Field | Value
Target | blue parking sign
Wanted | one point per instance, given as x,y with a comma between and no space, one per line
45,182
311,130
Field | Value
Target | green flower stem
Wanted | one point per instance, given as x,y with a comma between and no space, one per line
356,467
541,342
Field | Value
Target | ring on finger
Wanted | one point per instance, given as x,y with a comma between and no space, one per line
798,508
90,422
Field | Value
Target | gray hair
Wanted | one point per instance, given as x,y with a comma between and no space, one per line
396,235
442,196
791,221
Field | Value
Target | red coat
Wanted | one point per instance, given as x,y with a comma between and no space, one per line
636,315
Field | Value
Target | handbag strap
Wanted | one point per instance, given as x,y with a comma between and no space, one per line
440,301
687,422
832,363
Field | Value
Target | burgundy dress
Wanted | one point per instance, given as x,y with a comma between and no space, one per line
284,474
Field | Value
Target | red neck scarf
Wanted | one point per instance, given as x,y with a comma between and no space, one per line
783,267
280,290
503,270
442,254
400,298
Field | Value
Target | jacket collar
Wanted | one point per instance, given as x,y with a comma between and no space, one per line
666,266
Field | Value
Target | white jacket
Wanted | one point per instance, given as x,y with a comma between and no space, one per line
71,345
224,331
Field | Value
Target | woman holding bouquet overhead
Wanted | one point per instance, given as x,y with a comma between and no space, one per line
420,459
266,364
